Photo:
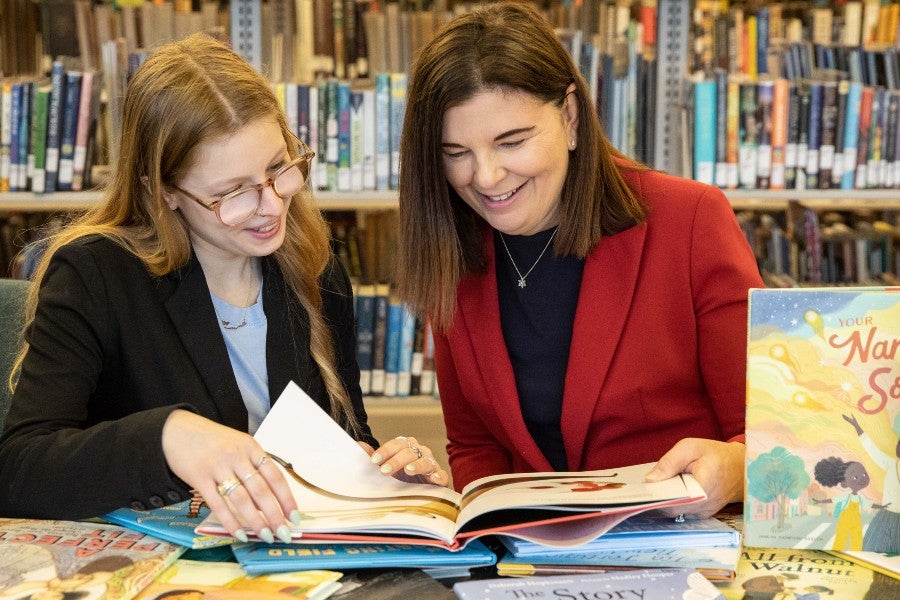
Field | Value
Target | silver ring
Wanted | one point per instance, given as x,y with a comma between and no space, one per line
228,486
262,460
249,475
418,452
434,464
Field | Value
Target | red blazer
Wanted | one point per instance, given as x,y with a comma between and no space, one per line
658,348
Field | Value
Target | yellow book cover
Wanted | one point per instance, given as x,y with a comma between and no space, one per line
823,419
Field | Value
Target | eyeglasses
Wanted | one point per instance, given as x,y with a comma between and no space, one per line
238,206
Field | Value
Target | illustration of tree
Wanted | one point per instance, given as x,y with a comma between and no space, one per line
777,476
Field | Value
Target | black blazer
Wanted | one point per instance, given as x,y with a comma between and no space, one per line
114,350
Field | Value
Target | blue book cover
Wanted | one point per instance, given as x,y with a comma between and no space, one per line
54,124
259,558
69,127
25,117
174,523
705,131
382,131
647,584
392,347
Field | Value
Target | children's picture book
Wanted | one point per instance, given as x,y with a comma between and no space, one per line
645,531
808,574
258,557
197,579
343,496
174,523
648,584
73,559
823,419
883,562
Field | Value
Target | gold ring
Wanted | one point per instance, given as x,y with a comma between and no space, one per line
228,486
263,460
249,475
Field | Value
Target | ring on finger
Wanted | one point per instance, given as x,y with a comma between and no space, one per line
228,486
262,460
247,476
418,451
433,464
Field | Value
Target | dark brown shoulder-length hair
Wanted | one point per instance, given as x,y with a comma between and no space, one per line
187,93
507,46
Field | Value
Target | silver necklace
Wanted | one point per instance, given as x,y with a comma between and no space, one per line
516,267
226,324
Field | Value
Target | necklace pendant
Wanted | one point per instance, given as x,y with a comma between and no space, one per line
522,282
228,325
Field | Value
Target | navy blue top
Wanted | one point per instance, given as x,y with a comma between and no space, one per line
537,327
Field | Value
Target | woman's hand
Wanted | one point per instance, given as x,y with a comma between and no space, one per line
233,474
406,459
717,466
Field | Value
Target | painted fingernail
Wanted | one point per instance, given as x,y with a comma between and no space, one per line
376,458
284,534
385,468
410,467
295,517
265,535
241,536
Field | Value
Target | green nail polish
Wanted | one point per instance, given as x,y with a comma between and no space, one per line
266,535
376,458
284,534
385,468
241,536
410,467
295,517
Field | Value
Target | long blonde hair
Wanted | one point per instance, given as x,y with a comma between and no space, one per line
185,93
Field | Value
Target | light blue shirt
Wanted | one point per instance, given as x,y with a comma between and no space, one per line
246,346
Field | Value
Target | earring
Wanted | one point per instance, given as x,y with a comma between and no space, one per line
572,143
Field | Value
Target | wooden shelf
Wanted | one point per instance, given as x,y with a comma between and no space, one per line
372,201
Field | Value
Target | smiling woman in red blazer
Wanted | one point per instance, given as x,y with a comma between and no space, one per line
589,312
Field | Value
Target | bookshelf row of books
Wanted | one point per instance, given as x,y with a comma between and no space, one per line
48,130
802,247
394,349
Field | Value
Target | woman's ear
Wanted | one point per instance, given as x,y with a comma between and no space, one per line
167,196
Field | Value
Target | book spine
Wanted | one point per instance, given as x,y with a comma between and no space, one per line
343,136
416,364
780,99
15,137
837,170
398,108
382,131
356,140
851,135
69,128
721,126
379,339
87,107
54,124
368,139
5,132
895,163
405,348
393,348
39,138
332,125
303,114
733,127
766,97
814,140
829,131
704,131
873,156
804,93
427,385
365,323
315,138
749,132
322,131
291,108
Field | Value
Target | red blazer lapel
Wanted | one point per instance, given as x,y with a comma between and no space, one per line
479,312
607,287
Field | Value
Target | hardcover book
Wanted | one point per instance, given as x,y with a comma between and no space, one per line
72,559
196,579
648,584
823,419
343,496
174,523
258,558
781,573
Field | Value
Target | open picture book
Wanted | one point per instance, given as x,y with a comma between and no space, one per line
343,496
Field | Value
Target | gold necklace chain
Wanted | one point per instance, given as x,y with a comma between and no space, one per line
516,267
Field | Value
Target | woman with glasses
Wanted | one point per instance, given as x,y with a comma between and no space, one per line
164,322
590,313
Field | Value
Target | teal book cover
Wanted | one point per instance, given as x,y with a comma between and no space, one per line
174,523
648,584
258,558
